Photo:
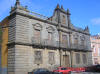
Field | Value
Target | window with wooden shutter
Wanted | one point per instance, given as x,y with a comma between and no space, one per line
82,38
37,35
49,36
77,58
64,40
38,57
64,20
84,59
51,58
75,41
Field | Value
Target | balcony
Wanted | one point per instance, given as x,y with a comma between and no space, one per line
64,45
37,41
45,42
52,43
78,47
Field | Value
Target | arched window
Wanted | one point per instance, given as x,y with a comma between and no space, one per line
37,32
64,40
50,30
49,36
76,39
82,39
37,35
64,20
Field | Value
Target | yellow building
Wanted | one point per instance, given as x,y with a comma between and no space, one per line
4,49
0,50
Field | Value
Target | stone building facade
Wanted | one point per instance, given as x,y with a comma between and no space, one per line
95,46
35,41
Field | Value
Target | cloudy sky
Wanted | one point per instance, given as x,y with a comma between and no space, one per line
83,12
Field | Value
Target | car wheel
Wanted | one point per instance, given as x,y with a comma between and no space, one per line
60,73
69,72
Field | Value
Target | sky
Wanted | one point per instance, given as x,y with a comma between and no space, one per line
83,12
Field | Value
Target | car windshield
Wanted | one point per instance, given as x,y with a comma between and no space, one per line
63,68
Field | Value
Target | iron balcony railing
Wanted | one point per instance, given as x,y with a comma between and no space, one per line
64,45
45,42
52,43
38,15
78,47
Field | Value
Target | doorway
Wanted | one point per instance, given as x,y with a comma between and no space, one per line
66,61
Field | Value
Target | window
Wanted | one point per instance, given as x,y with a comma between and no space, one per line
38,57
82,38
63,68
64,20
94,49
64,40
50,42
98,51
37,35
37,32
77,58
76,36
49,36
75,41
82,42
84,59
51,58
96,61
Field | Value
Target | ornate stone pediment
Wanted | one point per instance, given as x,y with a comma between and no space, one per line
50,29
82,37
37,26
76,35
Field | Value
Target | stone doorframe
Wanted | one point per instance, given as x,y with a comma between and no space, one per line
65,56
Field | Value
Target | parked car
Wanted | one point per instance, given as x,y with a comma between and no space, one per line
62,70
94,68
42,71
77,69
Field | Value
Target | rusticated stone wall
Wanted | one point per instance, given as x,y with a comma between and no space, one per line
24,49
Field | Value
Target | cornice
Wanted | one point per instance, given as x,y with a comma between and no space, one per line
74,30
32,17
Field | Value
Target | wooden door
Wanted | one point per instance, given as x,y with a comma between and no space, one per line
66,61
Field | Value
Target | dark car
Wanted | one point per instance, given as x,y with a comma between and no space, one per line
94,68
41,71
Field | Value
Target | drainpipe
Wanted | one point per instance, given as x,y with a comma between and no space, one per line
71,59
60,51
